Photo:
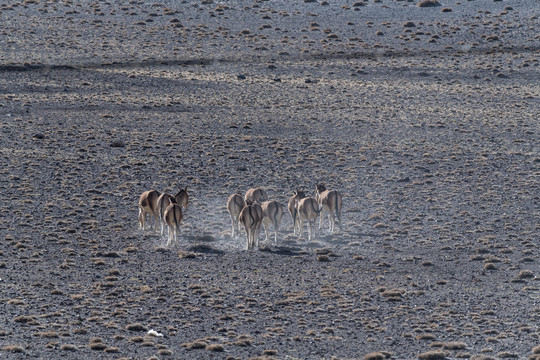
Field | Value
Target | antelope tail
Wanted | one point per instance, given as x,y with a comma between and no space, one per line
175,219
252,218
337,206
317,210
160,213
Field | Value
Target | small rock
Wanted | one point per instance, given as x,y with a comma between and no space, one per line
136,327
118,143
428,3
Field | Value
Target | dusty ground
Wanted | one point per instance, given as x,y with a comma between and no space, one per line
425,118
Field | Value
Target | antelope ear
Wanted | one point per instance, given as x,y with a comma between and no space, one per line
185,189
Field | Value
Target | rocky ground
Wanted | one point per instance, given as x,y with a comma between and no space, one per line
425,118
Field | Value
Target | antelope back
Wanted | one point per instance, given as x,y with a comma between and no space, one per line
255,194
164,201
251,216
235,204
259,210
308,208
149,200
294,200
272,210
173,215
292,204
331,199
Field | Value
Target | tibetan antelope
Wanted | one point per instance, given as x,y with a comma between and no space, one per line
235,204
330,201
272,213
308,210
148,205
164,200
251,217
292,207
256,194
173,217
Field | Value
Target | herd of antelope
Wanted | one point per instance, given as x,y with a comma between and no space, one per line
250,211
166,209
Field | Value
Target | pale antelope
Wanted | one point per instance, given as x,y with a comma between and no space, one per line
330,201
293,208
164,200
173,217
255,194
148,205
251,218
235,204
308,210
272,213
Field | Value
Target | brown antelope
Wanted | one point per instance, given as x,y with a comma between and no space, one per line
164,200
308,209
292,207
272,213
173,217
330,201
148,205
235,204
251,218
256,194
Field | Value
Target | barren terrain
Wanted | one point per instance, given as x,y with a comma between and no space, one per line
425,118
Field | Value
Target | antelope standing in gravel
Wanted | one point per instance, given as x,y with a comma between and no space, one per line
272,213
164,200
173,217
148,205
255,194
235,204
330,201
251,217
292,207
308,209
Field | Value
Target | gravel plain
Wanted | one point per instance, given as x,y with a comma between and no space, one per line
425,118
